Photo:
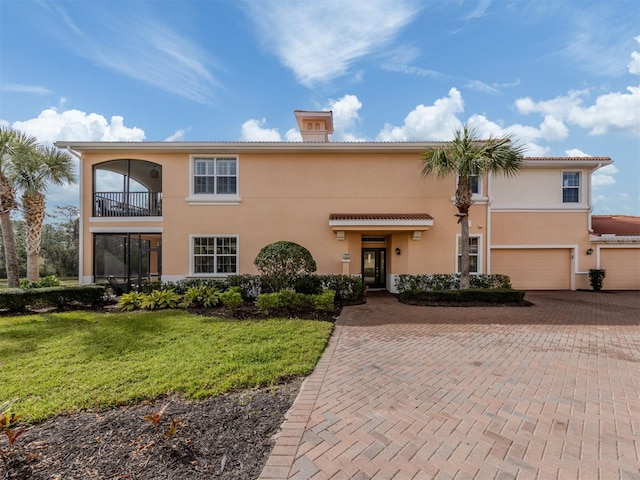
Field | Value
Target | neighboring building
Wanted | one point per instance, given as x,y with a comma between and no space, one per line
174,210
616,239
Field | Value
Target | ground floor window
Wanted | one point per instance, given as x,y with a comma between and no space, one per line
130,257
214,255
474,254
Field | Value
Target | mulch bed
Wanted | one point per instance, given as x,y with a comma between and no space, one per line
226,437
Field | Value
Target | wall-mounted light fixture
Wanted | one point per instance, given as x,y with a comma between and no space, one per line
154,173
590,251
397,250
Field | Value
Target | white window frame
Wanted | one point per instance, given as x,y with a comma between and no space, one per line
459,253
192,255
572,187
212,198
477,194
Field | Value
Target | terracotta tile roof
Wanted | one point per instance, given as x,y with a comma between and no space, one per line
619,225
380,216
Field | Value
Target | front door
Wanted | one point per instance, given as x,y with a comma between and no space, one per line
374,272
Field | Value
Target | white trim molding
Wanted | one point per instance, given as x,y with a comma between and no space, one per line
124,219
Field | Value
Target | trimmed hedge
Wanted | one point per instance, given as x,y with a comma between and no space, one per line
471,295
448,281
17,300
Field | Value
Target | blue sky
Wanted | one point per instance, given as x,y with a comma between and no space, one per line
563,76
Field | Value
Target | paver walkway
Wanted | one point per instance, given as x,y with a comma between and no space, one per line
550,391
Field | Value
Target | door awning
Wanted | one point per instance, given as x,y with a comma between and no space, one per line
378,222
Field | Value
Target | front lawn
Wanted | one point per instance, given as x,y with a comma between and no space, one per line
63,362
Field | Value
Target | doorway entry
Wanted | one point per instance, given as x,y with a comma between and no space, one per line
374,267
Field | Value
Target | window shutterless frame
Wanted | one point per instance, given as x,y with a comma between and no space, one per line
213,255
570,187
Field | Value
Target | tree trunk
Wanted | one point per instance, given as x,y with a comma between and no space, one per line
10,251
33,209
464,239
8,203
463,202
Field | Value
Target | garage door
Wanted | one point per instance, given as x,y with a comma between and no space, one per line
623,268
534,269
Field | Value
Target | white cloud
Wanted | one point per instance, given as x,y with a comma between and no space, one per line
534,150
574,152
345,118
51,126
320,41
611,112
603,177
480,86
177,136
634,64
150,52
293,135
433,122
32,89
253,131
553,129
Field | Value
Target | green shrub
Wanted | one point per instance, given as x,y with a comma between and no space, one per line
160,299
17,300
472,295
448,281
596,278
308,284
346,288
181,286
325,301
267,302
131,301
281,262
232,299
45,282
290,300
200,296
250,285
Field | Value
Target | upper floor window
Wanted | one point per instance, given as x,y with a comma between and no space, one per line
474,254
215,176
570,187
475,183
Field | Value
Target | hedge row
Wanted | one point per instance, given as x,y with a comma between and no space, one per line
17,300
472,295
447,281
347,288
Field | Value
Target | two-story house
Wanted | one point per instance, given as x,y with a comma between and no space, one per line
174,210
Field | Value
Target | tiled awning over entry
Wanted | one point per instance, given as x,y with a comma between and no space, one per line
378,222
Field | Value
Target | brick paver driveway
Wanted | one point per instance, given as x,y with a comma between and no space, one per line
550,391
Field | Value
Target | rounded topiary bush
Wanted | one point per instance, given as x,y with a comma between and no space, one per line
281,262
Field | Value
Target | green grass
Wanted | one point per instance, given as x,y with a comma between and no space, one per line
63,362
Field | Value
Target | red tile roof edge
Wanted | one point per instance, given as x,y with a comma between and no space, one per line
380,216
619,225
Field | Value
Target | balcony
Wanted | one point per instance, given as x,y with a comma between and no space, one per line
127,204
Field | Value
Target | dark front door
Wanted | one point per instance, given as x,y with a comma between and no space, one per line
374,272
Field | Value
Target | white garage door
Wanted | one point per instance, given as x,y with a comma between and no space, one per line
623,268
534,269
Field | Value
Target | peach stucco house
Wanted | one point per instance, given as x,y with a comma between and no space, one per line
174,210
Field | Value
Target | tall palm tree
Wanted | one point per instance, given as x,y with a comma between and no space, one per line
33,175
14,146
468,156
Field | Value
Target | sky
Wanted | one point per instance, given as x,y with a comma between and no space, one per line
562,76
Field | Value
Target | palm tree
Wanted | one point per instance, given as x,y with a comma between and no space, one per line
33,175
468,156
14,145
